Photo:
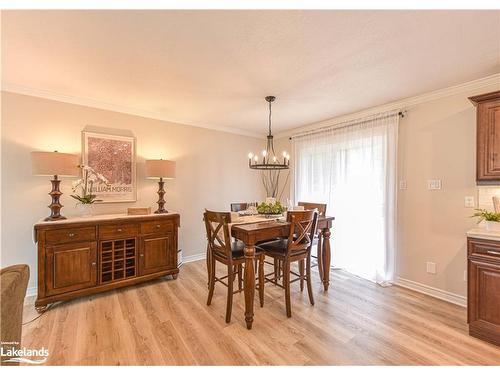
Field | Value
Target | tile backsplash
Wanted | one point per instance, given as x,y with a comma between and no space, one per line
485,195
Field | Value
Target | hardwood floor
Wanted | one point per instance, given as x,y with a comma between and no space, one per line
167,322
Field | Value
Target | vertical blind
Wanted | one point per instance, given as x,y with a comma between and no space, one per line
352,168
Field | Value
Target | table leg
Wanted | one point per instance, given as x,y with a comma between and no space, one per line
249,284
326,258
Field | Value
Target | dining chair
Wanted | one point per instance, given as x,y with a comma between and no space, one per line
317,241
230,253
295,248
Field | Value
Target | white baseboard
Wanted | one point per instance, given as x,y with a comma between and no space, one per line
193,258
431,291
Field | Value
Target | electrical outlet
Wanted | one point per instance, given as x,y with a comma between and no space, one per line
469,202
431,268
402,184
433,184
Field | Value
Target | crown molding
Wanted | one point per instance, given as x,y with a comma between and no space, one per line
398,105
88,102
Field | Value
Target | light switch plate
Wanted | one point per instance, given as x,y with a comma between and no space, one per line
469,202
431,267
433,184
402,184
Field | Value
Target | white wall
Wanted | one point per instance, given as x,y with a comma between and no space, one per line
212,169
437,140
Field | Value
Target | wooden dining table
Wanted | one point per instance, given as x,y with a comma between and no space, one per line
252,232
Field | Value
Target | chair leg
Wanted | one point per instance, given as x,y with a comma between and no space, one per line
301,273
308,279
240,277
279,268
286,282
230,282
208,265
275,270
211,280
261,280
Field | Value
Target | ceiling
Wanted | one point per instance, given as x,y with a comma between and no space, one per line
213,68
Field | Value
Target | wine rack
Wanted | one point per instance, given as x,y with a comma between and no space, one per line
118,260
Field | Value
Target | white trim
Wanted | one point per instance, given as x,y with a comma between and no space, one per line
193,258
398,105
88,102
431,291
30,292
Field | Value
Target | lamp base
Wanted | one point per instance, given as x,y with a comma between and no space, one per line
55,206
161,198
55,218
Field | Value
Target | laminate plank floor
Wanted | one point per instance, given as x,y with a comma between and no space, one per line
167,322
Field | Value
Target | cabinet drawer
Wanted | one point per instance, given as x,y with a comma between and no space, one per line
57,236
484,248
157,227
118,230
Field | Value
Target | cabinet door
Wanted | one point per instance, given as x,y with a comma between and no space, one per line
157,254
484,293
488,146
71,267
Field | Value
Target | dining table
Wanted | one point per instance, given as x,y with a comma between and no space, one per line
251,230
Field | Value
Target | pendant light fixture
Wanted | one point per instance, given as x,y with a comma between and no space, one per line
269,160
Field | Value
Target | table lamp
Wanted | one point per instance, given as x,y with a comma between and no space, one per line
160,169
56,164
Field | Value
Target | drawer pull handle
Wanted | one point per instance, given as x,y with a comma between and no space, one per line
157,225
493,252
119,229
142,255
71,234
93,264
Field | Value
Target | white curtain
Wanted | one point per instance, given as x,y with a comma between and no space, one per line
352,167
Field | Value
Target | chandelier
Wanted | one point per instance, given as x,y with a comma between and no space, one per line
269,160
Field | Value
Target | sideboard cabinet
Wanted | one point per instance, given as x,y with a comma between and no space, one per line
488,138
483,286
82,256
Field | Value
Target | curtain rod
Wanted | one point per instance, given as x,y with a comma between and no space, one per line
345,124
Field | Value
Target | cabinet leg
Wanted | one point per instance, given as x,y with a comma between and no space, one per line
174,276
41,309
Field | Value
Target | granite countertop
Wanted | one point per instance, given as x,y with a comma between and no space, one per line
482,233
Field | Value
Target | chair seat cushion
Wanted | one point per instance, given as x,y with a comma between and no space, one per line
238,249
277,246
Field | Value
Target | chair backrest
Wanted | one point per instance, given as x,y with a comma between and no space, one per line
218,236
321,207
236,207
13,283
303,225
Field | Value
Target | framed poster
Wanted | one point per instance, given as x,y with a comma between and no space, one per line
113,156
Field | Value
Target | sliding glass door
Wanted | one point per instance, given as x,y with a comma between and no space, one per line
352,168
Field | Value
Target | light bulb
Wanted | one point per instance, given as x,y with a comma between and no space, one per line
250,155
264,153
284,154
287,157
256,158
274,159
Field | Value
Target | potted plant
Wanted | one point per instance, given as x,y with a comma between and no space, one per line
271,209
84,186
492,219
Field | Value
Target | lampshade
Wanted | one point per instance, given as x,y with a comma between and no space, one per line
54,163
160,169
